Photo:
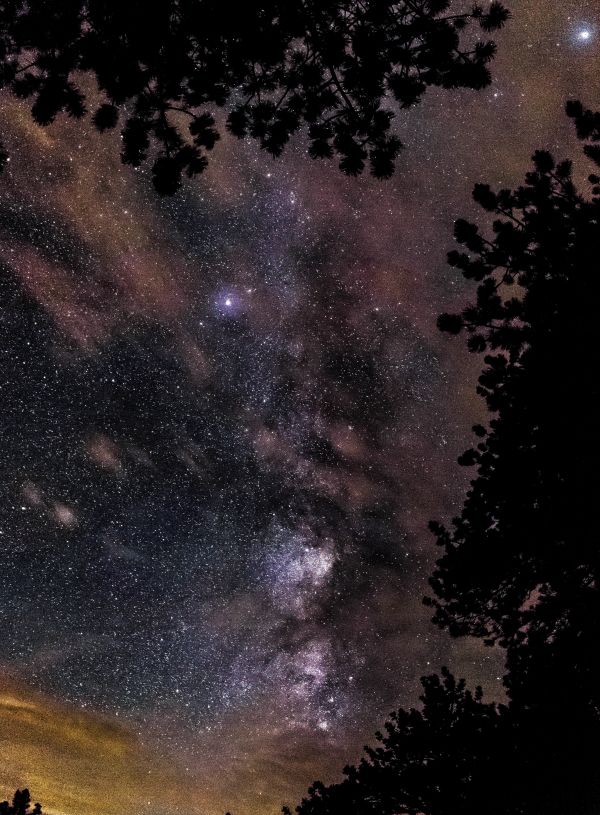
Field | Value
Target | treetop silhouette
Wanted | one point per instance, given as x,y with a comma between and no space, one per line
440,760
524,545
587,123
336,67
21,805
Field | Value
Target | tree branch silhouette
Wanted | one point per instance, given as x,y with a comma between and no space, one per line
334,68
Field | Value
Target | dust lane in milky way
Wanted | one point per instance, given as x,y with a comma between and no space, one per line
227,418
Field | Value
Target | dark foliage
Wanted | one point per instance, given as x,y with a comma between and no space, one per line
21,805
523,552
335,67
440,760
521,564
587,123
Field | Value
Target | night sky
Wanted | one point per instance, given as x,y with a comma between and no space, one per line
227,417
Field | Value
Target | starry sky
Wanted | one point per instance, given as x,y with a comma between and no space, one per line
227,417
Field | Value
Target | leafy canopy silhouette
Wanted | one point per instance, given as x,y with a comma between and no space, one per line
523,549
21,805
440,759
334,66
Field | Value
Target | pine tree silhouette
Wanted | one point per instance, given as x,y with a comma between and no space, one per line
329,66
587,123
521,564
441,760
521,558
21,805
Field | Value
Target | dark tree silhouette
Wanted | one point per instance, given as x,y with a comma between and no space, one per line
523,554
443,759
334,66
587,123
521,564
21,805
